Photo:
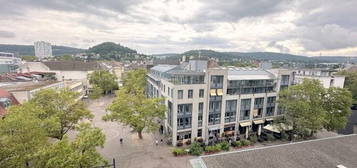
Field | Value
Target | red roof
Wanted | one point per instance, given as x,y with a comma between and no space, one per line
5,94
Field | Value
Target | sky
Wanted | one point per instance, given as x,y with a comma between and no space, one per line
302,27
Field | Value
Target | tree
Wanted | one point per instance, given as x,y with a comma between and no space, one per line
79,153
133,108
61,110
104,80
350,83
96,92
29,58
309,107
21,136
337,103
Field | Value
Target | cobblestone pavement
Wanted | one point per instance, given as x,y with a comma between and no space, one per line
133,153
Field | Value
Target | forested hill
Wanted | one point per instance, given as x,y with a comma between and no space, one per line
271,56
113,51
28,50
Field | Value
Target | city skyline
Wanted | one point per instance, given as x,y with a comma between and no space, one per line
157,26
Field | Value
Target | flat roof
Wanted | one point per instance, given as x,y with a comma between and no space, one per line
327,152
25,86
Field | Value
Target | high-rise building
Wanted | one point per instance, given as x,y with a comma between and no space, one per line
43,49
212,102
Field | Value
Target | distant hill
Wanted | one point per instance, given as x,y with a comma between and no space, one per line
113,51
23,50
264,56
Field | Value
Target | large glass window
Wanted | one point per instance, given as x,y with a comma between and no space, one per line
200,114
231,110
270,106
258,107
245,109
216,81
184,116
169,111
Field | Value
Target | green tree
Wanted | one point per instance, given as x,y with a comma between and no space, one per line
21,136
96,92
303,105
65,58
61,110
337,103
79,153
133,108
104,80
350,83
309,107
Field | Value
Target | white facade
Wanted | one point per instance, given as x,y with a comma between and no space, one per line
43,49
8,62
215,102
326,77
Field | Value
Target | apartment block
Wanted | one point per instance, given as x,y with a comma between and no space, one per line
42,49
210,102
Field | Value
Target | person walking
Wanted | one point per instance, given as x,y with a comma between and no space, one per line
156,142
121,140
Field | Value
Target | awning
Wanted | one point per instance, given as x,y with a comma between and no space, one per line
258,121
269,119
244,124
219,92
213,92
276,128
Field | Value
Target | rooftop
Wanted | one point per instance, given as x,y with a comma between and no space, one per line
25,86
72,65
328,152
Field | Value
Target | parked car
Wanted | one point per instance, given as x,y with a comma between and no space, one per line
354,107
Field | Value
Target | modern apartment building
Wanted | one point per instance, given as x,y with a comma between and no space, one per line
210,102
327,77
8,62
43,49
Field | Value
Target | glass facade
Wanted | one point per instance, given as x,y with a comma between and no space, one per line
236,87
270,108
184,116
258,107
231,110
245,109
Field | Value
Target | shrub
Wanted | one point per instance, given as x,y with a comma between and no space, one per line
215,148
195,149
179,151
245,142
284,136
253,138
270,137
237,144
200,140
224,146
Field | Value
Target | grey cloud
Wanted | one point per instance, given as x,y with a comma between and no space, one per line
7,34
280,47
324,12
218,10
97,7
327,37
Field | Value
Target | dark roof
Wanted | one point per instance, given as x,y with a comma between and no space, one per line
328,152
72,65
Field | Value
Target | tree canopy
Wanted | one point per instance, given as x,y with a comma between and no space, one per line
27,134
60,110
309,107
112,51
133,108
105,80
350,83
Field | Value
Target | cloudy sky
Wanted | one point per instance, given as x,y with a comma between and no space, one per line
306,27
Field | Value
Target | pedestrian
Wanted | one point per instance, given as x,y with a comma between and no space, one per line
121,140
156,142
162,141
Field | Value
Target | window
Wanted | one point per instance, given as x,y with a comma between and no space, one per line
201,93
214,119
180,94
200,114
190,94
216,81
199,132
169,111
245,109
231,107
168,90
184,116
